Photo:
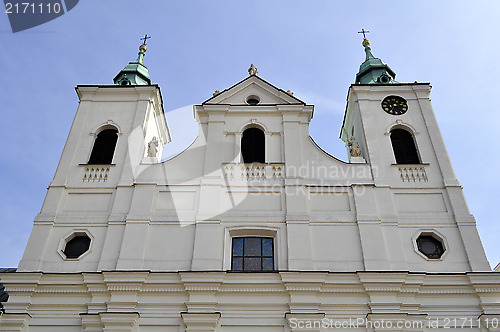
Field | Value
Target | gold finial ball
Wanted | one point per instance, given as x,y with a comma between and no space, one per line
366,41
143,48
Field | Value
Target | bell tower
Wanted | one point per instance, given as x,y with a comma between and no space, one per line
396,130
117,129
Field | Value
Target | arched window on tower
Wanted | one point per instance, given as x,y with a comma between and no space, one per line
253,146
104,147
404,147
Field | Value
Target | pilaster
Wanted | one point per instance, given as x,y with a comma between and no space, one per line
373,244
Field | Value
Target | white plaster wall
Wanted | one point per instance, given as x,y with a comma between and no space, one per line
331,215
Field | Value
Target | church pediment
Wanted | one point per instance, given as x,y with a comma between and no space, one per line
252,89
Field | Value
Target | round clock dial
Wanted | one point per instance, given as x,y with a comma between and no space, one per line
395,105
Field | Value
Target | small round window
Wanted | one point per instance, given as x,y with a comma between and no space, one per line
253,100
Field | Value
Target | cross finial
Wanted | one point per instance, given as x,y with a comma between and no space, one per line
364,32
145,39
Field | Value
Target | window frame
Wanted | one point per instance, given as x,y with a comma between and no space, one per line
263,160
259,230
68,237
96,137
413,141
262,256
435,234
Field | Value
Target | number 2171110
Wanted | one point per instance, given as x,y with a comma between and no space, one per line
32,8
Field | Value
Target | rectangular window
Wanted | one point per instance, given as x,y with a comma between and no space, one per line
252,254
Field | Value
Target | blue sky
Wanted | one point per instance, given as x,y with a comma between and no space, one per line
310,47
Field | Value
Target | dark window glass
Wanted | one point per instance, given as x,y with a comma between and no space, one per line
237,264
252,254
252,264
104,147
252,101
253,246
267,247
430,246
267,264
238,246
77,246
253,146
404,147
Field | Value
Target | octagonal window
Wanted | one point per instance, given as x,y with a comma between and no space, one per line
430,246
77,246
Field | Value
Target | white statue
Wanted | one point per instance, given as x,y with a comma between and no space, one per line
354,148
253,70
153,147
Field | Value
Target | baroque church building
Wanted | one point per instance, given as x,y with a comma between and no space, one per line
253,227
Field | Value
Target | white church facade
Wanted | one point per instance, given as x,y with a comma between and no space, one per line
253,227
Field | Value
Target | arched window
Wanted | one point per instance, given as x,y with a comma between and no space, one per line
104,147
404,147
253,146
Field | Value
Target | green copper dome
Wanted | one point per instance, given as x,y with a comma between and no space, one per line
135,73
373,70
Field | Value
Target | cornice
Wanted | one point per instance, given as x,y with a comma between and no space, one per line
224,282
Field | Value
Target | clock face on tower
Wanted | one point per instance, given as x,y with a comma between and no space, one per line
395,105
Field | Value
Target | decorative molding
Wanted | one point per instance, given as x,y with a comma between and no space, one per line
412,173
14,321
252,290
487,290
125,288
202,288
253,123
163,290
96,173
383,289
91,322
302,288
342,290
400,124
119,321
199,322
446,291
106,125
294,290
61,290
255,171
